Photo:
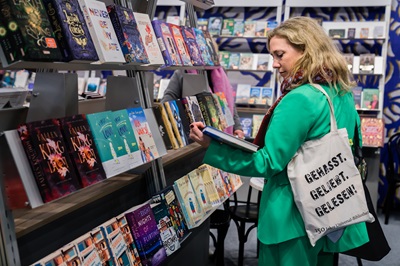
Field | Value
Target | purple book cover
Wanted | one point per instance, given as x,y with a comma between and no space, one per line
147,236
82,149
128,35
190,40
201,43
53,157
70,30
166,43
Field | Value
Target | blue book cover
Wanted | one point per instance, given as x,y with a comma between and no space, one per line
70,30
190,40
201,42
166,43
128,35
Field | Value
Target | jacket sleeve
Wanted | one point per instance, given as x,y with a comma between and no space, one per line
174,88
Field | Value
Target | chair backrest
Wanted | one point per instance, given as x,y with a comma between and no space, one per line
393,156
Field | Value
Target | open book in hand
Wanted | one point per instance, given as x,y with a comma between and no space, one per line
229,139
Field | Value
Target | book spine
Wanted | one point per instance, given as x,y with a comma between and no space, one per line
174,126
168,128
203,107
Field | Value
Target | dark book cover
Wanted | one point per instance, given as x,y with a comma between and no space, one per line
70,29
82,150
201,43
211,46
33,158
190,40
192,109
208,109
184,120
168,198
52,154
128,35
147,237
166,43
162,127
35,30
10,53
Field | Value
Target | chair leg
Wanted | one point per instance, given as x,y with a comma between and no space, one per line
359,262
220,248
242,240
389,202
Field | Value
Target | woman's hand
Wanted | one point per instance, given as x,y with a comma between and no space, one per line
239,133
197,135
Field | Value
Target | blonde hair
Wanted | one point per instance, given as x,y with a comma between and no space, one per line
320,54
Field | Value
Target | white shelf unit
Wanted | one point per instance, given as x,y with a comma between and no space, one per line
380,60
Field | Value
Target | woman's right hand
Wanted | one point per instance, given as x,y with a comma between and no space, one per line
197,135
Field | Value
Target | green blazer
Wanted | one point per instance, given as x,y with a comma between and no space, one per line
302,115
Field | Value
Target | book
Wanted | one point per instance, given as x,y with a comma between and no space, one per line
238,28
257,119
167,197
187,198
44,143
364,33
211,191
153,125
202,23
208,109
102,31
261,28
161,126
271,24
235,180
212,48
54,258
226,179
127,135
167,126
267,95
71,32
147,237
260,61
192,108
176,121
191,43
249,28
201,43
163,86
228,27
166,43
350,61
104,250
372,130
149,39
83,248
234,61
246,61
229,139
367,63
165,226
224,58
128,237
247,126
225,109
357,96
200,191
128,35
218,183
370,98
8,49
351,33
378,32
223,124
92,88
147,145
82,149
336,33
255,95
110,146
242,93
215,25
180,45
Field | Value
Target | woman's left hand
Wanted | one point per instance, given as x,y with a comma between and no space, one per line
197,135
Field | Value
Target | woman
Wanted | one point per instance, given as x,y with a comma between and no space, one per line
303,54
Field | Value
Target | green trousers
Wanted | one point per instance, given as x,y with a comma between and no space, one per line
294,252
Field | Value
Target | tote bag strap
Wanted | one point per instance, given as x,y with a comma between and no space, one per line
333,120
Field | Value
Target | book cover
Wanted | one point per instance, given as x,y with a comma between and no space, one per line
128,35
202,23
364,33
32,31
193,110
180,45
350,61
6,40
224,58
187,198
357,96
223,124
176,121
247,126
163,86
271,24
101,243
337,33
54,258
236,181
83,248
246,61
228,27
161,126
53,158
257,119
367,63
249,28
82,150
225,109
229,139
238,28
201,42
71,32
110,146
166,43
226,179
208,109
193,48
255,95
219,184
351,33
267,95
167,197
211,191
146,235
165,226
370,98
234,60
200,191
167,126
372,130
378,32
261,61
102,31
147,145
128,237
149,38
212,48
215,25
261,28
243,93
184,120
126,133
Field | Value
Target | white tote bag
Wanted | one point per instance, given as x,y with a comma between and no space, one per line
326,184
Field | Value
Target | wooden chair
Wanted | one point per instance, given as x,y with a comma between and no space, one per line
392,173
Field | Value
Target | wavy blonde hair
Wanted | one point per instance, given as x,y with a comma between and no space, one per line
320,54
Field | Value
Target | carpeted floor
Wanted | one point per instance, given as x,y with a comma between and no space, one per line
392,232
